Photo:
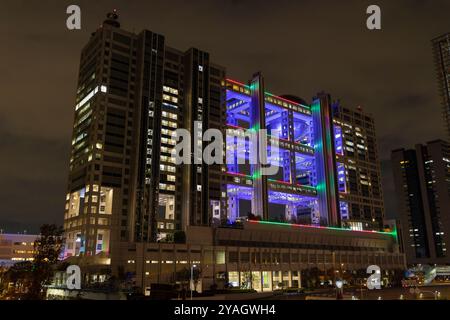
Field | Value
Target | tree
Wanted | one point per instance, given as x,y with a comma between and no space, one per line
184,275
3,283
16,280
311,277
247,281
47,248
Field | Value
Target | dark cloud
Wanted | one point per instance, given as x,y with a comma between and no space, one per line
302,47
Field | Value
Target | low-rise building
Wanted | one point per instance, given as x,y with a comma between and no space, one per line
257,255
16,248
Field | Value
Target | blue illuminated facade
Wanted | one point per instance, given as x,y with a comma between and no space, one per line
306,187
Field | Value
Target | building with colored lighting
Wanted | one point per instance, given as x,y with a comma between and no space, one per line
329,171
421,177
441,52
130,209
16,248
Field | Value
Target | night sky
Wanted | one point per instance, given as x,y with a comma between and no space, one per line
302,47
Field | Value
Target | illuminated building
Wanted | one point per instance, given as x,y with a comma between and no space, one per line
329,170
16,248
441,52
421,177
133,93
129,206
358,168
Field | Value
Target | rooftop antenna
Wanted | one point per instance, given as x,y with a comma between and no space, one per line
112,18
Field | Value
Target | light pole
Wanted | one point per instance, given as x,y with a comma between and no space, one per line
192,277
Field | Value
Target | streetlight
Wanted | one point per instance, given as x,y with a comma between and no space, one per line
339,289
192,277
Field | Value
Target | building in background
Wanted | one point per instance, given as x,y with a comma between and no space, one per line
130,208
16,248
422,184
441,51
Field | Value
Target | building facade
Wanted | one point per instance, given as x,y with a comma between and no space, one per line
441,52
133,93
127,193
422,186
264,256
359,172
327,160
16,248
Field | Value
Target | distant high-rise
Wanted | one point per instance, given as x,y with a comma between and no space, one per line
441,51
422,184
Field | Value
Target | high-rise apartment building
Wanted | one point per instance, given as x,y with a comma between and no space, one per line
130,206
441,51
358,168
422,183
133,92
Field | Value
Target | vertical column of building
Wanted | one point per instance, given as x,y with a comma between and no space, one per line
325,160
119,76
260,205
169,218
440,152
434,164
196,186
102,153
217,120
151,62
410,204
80,173
441,51
427,177
286,123
292,169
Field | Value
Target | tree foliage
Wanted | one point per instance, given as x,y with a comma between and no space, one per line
47,251
28,279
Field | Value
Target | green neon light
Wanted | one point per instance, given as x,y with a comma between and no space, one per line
320,186
256,175
287,100
255,128
393,233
